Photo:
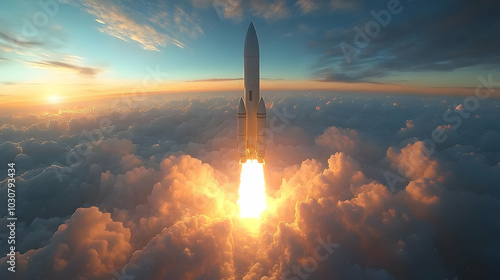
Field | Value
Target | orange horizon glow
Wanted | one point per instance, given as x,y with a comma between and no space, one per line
38,94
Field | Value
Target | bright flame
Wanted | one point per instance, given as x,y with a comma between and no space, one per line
252,190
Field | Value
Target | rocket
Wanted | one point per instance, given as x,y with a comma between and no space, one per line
251,108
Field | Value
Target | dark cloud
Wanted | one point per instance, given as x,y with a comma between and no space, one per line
423,36
81,70
150,191
308,6
86,246
18,42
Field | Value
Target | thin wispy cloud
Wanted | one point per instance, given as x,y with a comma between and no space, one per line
58,65
308,6
167,24
13,40
237,10
344,4
270,10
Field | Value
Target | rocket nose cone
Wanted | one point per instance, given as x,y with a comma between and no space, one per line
251,42
241,107
262,107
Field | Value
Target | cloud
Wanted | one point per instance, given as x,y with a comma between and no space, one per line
89,244
21,46
236,10
26,51
272,10
165,24
58,65
308,6
18,42
406,44
344,5
195,247
229,9
148,195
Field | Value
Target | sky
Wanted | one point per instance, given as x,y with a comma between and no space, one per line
382,158
89,48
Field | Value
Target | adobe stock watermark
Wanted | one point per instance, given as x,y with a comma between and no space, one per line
310,264
278,121
150,82
364,35
454,119
40,19
82,150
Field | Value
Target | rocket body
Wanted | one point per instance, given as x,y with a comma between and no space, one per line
251,109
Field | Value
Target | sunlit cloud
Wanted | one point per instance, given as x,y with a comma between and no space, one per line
306,6
270,10
146,195
237,10
166,25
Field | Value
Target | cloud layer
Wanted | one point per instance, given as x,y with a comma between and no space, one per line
354,190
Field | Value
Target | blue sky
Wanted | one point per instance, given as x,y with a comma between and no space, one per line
84,46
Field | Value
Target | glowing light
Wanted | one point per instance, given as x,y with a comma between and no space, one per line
54,99
252,190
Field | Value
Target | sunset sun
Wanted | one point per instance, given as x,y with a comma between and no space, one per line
54,99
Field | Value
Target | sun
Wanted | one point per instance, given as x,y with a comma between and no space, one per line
54,99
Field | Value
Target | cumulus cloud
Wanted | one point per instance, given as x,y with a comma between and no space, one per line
192,248
140,192
86,246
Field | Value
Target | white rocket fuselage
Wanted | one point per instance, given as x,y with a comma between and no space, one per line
251,110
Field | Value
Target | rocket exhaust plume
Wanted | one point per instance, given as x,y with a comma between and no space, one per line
252,190
251,120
